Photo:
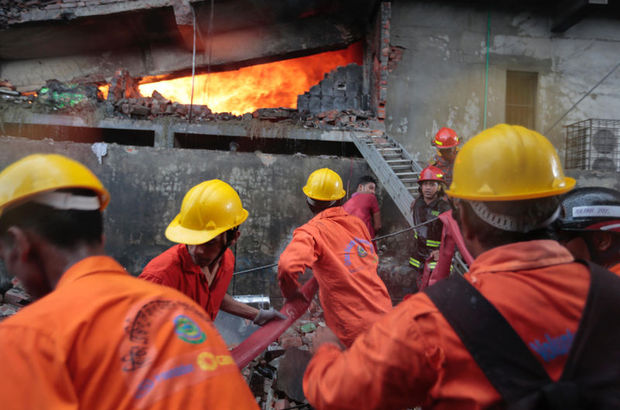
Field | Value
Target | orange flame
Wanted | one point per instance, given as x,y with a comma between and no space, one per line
268,85
105,89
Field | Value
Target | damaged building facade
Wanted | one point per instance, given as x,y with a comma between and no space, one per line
71,74
421,65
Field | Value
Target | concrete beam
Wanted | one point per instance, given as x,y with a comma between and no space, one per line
66,11
572,12
164,129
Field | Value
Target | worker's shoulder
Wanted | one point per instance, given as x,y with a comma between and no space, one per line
417,305
443,204
339,221
43,317
25,321
101,300
166,261
415,316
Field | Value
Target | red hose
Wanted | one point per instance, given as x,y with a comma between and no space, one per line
263,337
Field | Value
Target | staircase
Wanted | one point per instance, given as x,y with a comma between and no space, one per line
398,173
394,167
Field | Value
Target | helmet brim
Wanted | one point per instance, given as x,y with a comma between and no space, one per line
568,183
175,232
309,194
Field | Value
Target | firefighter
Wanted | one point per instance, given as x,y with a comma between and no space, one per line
413,357
428,205
337,248
201,264
446,142
589,225
95,338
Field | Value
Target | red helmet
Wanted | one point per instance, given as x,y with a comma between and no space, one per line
446,138
431,173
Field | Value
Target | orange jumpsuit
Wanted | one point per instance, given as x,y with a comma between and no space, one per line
105,340
412,357
175,268
337,247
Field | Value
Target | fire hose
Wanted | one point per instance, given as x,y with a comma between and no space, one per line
259,340
451,238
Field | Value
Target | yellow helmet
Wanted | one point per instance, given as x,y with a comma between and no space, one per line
40,173
506,163
324,185
208,209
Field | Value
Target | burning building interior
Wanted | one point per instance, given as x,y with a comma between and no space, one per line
156,96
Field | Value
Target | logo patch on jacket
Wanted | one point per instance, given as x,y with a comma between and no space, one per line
552,347
188,331
361,252
356,255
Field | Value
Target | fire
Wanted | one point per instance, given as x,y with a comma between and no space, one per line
260,86
105,89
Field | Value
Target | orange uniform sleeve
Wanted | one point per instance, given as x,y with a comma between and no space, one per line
390,366
29,355
300,254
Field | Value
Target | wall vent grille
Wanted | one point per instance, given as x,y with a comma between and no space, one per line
593,144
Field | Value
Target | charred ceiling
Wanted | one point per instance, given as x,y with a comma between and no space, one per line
156,38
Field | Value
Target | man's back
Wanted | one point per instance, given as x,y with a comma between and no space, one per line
336,246
106,340
423,362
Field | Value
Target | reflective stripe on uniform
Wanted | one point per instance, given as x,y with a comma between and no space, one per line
433,244
432,265
414,262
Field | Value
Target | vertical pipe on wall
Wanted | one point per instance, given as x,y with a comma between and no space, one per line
209,53
191,99
486,72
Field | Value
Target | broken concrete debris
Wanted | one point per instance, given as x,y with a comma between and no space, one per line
124,100
12,298
60,96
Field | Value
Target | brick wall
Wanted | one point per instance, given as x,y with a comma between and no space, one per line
341,89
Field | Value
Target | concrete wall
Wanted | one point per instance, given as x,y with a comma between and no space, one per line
147,186
440,79
595,178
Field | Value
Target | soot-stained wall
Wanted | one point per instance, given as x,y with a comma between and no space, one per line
439,80
147,186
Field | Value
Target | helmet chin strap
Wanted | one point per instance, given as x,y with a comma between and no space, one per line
230,237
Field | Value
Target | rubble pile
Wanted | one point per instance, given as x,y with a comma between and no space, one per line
12,299
9,93
11,10
125,101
